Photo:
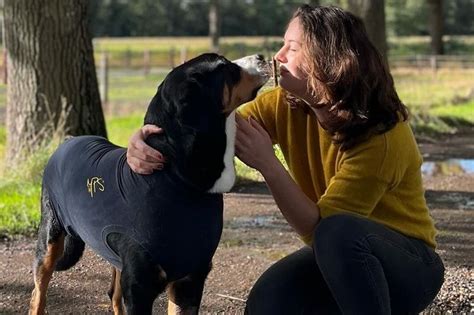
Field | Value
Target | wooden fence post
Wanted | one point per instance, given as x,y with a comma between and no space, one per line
434,63
172,53
146,62
128,58
184,54
418,62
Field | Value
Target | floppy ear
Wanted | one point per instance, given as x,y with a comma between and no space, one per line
162,113
203,125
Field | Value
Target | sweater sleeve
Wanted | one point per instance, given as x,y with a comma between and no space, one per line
263,109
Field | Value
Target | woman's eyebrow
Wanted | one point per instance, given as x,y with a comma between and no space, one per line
290,40
294,41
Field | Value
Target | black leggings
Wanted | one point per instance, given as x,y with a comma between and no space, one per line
356,266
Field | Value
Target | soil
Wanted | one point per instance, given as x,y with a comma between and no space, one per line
255,236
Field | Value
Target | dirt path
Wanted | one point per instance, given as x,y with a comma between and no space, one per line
255,235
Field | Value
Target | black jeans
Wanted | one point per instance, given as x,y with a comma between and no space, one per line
356,266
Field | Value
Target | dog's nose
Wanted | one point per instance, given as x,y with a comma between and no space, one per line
260,57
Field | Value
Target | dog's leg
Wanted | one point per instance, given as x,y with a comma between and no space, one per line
115,292
184,295
49,248
140,280
141,284
111,290
43,270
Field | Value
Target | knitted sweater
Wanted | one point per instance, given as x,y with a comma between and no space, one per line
379,179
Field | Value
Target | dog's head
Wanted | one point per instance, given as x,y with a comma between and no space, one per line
195,106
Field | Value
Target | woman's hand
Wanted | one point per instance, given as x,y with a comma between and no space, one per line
142,158
253,145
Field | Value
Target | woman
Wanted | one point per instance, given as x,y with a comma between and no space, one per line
355,191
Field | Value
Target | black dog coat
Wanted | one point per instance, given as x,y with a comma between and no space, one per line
157,211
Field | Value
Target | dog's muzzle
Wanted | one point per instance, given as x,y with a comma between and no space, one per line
256,65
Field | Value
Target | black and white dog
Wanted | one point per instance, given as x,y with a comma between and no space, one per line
161,230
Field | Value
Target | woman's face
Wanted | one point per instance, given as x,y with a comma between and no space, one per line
290,56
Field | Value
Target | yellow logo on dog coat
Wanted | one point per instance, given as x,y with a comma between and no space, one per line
95,183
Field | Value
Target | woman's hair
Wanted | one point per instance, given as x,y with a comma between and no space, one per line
347,76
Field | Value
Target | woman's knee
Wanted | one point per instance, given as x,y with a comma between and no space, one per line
339,231
282,287
285,273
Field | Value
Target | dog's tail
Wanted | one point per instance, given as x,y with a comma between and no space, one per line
73,249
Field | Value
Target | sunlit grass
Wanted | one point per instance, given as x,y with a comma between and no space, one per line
135,87
422,90
463,111
120,129
413,45
20,206
164,43
405,45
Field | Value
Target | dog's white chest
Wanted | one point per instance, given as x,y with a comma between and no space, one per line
225,182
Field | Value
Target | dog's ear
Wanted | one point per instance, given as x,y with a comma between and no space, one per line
201,104
161,113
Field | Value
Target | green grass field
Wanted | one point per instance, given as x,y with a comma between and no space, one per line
408,45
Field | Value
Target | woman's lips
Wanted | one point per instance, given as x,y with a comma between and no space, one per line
283,71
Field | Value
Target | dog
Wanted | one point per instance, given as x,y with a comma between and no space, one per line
159,231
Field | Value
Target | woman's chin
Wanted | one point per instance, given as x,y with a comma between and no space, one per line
294,87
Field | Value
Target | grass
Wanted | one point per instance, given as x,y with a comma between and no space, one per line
406,45
120,129
456,112
164,51
424,90
415,45
19,208
20,192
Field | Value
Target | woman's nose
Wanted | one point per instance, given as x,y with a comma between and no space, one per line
280,55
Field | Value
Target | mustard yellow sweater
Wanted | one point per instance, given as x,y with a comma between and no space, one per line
379,179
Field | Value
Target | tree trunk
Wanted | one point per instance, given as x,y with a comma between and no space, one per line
436,26
214,25
372,12
52,84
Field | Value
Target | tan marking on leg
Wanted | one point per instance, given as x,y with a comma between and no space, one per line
175,309
42,275
117,304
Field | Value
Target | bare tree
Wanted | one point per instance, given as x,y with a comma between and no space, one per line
436,26
372,13
52,74
214,24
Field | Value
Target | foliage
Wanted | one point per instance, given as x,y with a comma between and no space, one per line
253,17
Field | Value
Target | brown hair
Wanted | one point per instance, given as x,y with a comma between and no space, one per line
347,76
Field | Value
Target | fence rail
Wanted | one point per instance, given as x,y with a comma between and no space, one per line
433,62
172,57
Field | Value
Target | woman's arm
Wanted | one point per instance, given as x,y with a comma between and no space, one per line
254,148
142,158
